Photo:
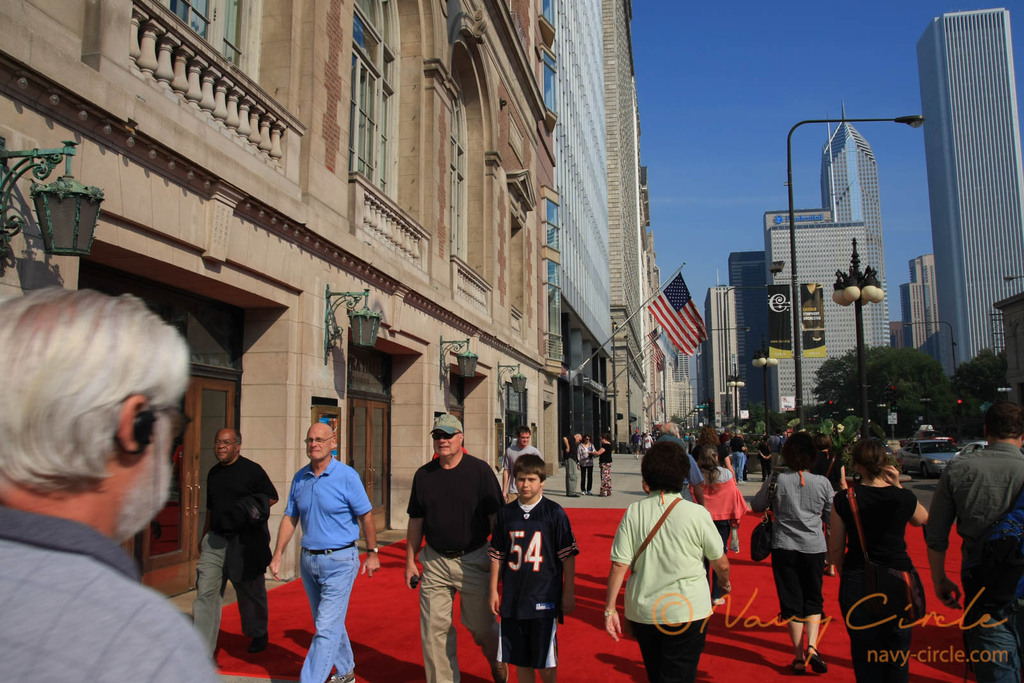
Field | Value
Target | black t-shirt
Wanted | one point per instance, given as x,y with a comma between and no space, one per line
737,445
225,484
884,513
606,453
531,546
573,452
825,466
455,504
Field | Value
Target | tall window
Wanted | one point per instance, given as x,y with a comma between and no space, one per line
218,22
554,311
550,101
457,179
373,64
551,224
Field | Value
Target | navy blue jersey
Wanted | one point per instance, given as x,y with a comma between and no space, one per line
531,547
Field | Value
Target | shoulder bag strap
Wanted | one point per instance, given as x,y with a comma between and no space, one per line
643,546
851,496
831,464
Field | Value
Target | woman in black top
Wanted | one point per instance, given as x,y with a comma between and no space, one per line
885,510
829,464
604,458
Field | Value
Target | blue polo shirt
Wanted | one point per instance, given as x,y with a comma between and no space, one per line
328,506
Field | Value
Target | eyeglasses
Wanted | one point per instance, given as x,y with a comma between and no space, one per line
220,442
318,442
441,436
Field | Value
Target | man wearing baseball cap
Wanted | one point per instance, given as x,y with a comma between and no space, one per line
452,505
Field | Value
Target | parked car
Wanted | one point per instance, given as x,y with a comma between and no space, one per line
970,447
926,457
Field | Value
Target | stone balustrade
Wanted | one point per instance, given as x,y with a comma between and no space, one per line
169,52
470,287
378,217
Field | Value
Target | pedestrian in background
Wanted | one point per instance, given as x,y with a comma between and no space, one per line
604,458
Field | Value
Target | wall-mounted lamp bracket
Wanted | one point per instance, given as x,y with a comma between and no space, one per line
466,358
365,323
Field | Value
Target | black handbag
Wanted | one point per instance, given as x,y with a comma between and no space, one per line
761,536
896,592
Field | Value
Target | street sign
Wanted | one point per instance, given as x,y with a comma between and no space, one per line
892,419
744,414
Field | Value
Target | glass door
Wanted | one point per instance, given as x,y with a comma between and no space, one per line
368,451
169,548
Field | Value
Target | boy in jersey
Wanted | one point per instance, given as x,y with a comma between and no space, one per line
533,554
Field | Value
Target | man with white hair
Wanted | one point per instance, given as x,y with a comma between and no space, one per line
670,432
93,385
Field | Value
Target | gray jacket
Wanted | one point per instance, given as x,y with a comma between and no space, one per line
799,508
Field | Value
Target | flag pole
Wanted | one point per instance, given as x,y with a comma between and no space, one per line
576,371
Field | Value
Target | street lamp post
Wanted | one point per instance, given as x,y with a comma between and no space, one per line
764,361
915,121
735,382
859,287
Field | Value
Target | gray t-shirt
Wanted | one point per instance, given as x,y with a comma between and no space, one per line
73,606
509,461
802,502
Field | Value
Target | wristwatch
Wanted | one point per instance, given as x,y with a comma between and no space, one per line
373,550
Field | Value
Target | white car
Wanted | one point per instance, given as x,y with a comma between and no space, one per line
970,447
927,457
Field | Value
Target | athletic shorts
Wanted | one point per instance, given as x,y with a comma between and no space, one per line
528,643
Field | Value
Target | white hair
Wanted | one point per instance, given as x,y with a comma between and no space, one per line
69,359
670,428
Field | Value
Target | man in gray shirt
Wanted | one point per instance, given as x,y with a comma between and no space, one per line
512,453
974,491
85,465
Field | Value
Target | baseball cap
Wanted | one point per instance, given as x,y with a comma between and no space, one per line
449,424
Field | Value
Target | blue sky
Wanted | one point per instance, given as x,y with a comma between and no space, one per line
719,86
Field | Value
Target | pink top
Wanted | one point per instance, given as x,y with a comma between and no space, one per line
725,501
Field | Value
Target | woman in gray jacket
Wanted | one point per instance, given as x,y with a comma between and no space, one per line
800,503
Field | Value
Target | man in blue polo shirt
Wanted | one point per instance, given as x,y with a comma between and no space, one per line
329,500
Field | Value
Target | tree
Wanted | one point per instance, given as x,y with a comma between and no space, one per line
922,390
979,379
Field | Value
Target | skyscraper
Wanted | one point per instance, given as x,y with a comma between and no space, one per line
748,277
849,189
920,312
972,149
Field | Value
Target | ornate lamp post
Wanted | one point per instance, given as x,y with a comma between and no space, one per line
734,382
859,288
764,361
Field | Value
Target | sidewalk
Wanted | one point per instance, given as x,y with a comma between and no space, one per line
626,488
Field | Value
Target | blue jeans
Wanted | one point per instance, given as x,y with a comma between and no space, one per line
328,582
1003,643
739,463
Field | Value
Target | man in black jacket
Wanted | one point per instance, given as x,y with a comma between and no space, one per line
235,544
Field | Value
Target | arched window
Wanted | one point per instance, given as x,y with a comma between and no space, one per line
457,177
373,91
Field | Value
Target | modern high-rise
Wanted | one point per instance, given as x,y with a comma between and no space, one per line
973,154
628,214
849,189
920,313
822,248
719,357
580,153
747,280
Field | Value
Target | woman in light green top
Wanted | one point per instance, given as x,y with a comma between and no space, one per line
667,597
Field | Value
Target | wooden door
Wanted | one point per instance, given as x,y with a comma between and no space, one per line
368,452
169,549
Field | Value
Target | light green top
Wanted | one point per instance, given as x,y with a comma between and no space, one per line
668,584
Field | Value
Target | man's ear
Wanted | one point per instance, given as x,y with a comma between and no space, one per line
134,426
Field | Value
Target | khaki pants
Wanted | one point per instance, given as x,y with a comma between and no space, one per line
468,575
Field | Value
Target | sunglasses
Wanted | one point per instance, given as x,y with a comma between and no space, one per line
438,435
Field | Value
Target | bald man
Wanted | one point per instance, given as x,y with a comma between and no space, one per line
330,520
235,544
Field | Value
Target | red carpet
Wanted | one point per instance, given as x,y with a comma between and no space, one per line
383,622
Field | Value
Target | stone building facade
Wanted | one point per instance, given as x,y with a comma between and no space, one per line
261,156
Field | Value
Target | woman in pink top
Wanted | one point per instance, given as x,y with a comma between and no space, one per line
723,500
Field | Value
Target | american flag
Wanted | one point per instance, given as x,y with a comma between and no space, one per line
659,356
675,311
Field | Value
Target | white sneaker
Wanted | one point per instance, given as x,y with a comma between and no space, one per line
350,677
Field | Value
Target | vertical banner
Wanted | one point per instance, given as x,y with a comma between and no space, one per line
812,317
780,322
